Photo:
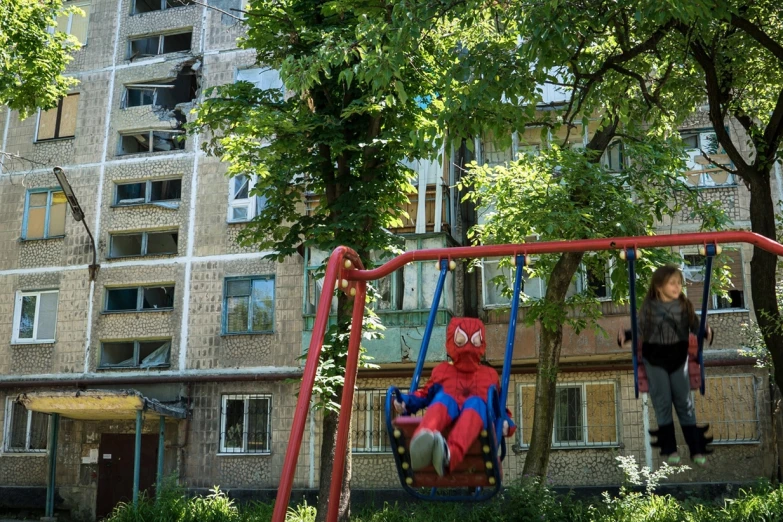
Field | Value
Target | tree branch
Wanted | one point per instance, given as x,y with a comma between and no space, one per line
758,34
774,128
716,164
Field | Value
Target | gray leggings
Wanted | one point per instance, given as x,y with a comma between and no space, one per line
667,388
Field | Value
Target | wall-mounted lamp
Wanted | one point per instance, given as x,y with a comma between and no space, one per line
78,215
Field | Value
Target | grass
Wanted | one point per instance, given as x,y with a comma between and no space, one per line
523,501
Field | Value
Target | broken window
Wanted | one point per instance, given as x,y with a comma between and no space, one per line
135,354
262,77
143,244
147,6
59,122
164,94
151,141
44,214
159,44
25,430
241,205
165,193
137,299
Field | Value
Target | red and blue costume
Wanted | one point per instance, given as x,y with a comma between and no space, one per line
456,393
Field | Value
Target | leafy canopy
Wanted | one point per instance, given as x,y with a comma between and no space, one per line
33,58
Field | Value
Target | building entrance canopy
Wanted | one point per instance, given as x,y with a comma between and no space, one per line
98,404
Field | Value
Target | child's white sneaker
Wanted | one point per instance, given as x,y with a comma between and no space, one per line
440,455
421,449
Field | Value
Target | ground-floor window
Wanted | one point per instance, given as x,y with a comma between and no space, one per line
25,431
245,424
369,424
585,414
729,406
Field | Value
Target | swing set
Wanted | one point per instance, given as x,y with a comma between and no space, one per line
481,472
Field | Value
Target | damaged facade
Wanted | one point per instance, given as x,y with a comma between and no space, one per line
183,315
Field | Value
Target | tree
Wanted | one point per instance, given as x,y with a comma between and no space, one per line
608,60
337,135
32,57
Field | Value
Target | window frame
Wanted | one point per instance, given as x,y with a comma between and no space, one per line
147,192
150,138
713,309
369,425
756,410
251,203
144,239
245,397
731,180
69,27
585,423
224,319
50,192
512,274
161,40
582,281
7,435
139,298
20,295
136,353
58,121
163,7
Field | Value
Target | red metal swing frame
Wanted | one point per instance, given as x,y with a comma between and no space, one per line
346,272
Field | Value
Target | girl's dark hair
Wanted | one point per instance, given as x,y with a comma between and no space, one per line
659,278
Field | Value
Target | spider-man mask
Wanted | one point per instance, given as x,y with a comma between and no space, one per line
466,342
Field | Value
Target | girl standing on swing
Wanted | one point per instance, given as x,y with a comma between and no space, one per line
666,322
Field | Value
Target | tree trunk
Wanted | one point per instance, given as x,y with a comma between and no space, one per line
763,271
537,460
328,451
329,432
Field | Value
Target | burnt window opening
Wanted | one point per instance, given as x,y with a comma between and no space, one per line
168,191
139,299
159,44
135,354
151,141
148,6
183,89
143,244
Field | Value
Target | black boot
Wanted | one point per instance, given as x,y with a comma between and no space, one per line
697,440
666,440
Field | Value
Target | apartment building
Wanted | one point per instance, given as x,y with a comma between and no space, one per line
185,337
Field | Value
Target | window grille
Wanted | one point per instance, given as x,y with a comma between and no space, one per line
245,424
730,407
585,414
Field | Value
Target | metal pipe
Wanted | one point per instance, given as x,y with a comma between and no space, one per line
333,268
582,245
425,340
153,379
161,448
346,404
54,431
709,252
512,330
137,459
631,256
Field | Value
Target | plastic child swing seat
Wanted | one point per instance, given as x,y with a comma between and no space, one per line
709,250
481,470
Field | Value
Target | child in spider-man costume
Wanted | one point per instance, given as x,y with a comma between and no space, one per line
455,395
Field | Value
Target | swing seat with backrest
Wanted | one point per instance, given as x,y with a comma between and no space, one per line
481,471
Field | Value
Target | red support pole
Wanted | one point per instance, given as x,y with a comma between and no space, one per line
333,268
346,405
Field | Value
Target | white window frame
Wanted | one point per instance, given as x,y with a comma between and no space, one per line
585,423
705,180
525,280
150,138
757,420
581,280
251,203
225,397
9,409
163,7
261,71
18,316
161,39
144,243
